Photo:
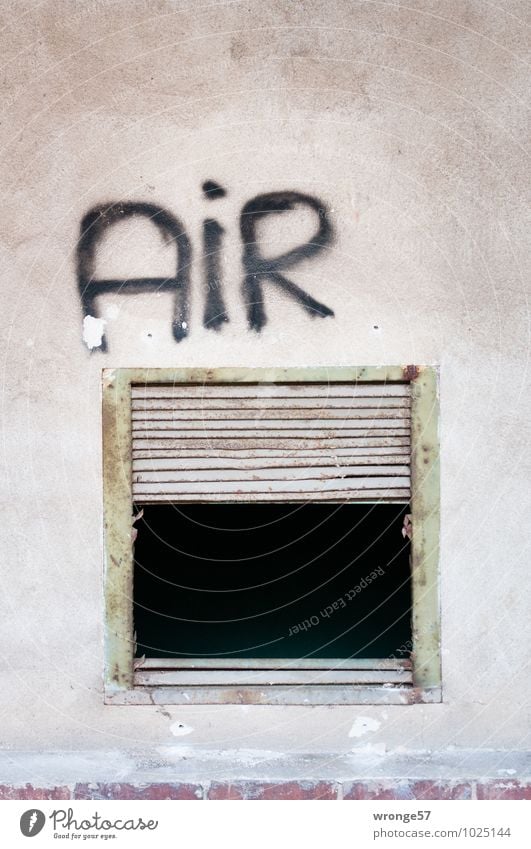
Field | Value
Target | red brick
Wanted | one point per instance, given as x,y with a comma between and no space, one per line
28,791
407,790
440,790
138,791
369,790
225,791
266,790
505,789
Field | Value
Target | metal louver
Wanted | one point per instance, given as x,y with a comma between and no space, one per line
271,442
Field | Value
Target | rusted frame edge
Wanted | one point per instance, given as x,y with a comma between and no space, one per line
425,508
191,678
118,547
276,664
320,374
329,694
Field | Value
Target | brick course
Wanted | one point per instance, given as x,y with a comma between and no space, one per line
395,789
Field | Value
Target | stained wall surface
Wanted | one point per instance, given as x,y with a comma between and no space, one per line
407,123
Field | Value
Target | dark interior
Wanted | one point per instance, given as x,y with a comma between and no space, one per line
272,580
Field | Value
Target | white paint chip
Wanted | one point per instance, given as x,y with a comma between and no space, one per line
362,725
93,330
179,729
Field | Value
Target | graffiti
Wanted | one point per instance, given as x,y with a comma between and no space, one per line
214,313
258,269
212,190
94,225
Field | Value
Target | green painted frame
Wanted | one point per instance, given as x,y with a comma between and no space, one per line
119,682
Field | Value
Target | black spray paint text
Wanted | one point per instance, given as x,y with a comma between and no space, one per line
257,269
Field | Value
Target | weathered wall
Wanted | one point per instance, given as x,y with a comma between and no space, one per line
407,121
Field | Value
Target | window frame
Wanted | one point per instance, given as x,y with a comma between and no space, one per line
120,663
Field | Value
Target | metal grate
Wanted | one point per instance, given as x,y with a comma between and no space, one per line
271,442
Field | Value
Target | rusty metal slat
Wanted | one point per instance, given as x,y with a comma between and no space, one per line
251,418
222,677
321,435
394,464
265,475
209,463
252,445
367,496
175,663
272,390
273,457
257,486
259,425
306,405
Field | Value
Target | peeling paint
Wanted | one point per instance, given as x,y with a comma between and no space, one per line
179,729
93,330
362,725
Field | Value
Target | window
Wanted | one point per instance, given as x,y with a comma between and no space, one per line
271,565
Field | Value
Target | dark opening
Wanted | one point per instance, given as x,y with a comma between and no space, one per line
272,580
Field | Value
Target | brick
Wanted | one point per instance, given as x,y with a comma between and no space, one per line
369,790
28,791
504,789
138,791
441,790
407,790
288,790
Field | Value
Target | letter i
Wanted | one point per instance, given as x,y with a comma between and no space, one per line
215,312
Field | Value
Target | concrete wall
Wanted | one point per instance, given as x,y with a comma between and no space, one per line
408,122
